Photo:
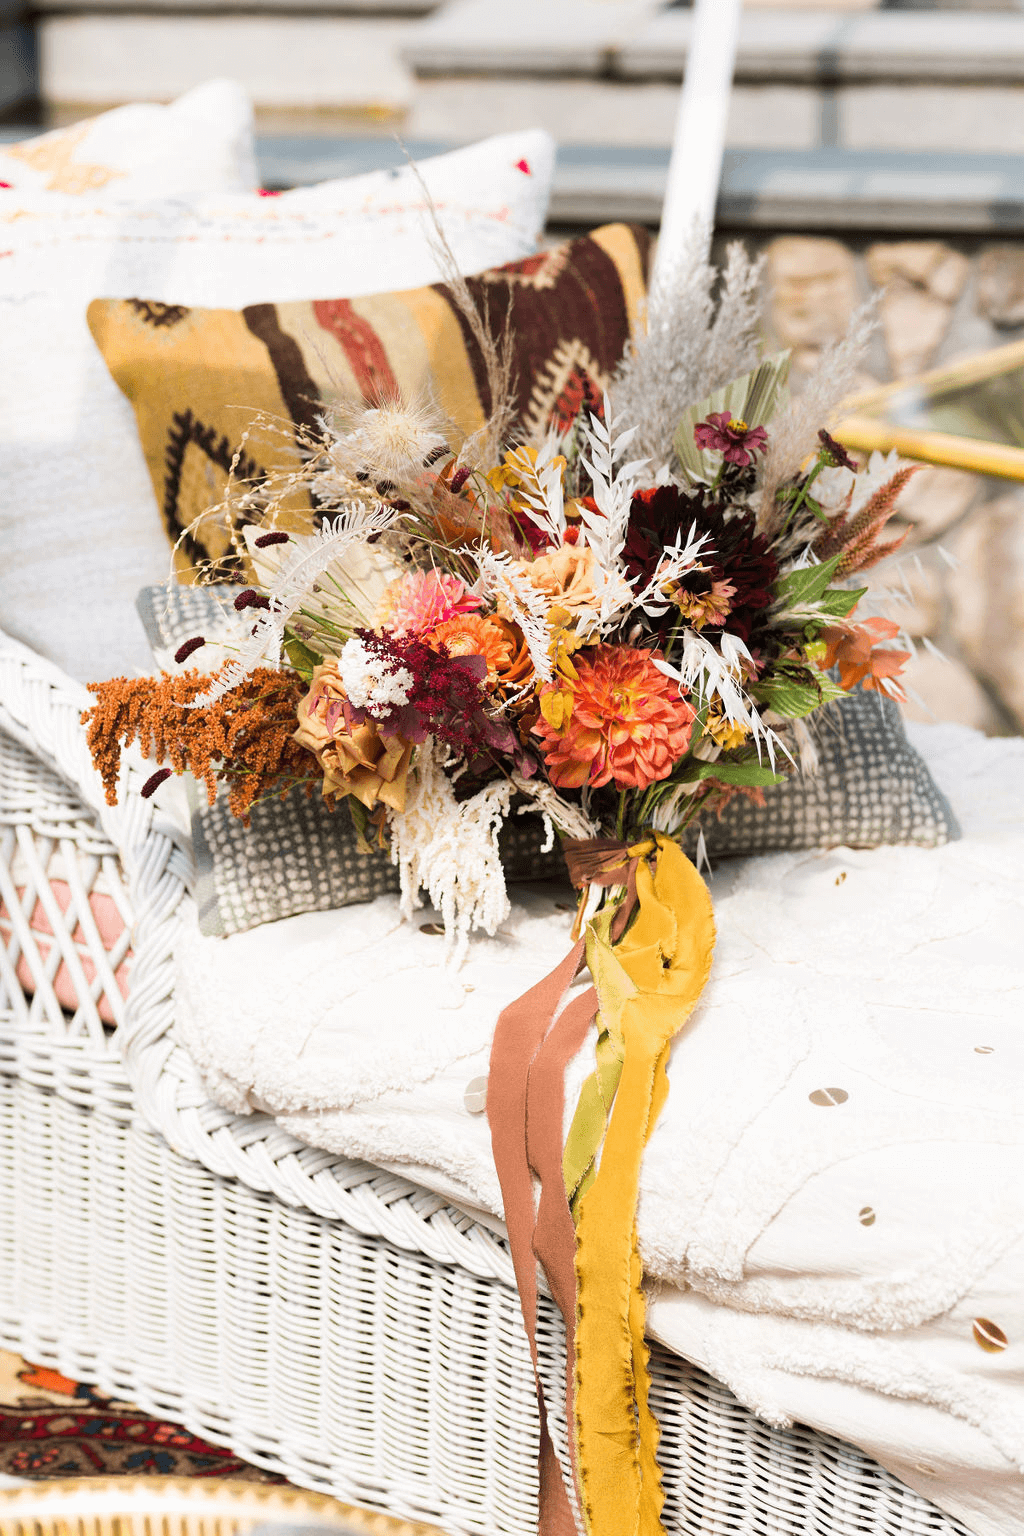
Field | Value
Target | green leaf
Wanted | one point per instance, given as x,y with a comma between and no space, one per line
748,772
754,398
301,657
786,696
838,602
802,588
751,772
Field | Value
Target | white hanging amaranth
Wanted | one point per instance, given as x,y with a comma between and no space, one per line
450,850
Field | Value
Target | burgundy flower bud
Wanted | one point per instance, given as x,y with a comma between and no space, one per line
185,651
154,781
251,599
266,539
835,452
459,479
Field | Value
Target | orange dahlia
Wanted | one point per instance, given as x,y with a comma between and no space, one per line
625,725
469,635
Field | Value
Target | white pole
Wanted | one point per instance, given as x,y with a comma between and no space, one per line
695,168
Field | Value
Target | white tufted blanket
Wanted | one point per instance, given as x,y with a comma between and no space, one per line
833,1194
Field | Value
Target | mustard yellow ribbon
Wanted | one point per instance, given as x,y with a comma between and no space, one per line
647,984
594,1104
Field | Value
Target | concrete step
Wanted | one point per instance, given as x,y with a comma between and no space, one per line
584,69
644,39
869,80
822,189
340,63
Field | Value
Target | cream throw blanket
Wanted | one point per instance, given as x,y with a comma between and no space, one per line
833,1194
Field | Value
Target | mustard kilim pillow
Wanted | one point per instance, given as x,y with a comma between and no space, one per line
199,378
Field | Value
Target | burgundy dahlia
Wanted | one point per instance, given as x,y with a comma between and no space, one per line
733,587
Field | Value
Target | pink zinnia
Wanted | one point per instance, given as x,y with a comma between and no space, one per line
627,725
416,604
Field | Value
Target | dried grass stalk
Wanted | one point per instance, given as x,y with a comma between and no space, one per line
689,343
793,434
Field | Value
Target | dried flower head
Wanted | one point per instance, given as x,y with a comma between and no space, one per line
390,443
568,577
469,635
736,568
834,453
417,603
855,651
356,757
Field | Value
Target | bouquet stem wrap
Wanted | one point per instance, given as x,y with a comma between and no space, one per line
648,978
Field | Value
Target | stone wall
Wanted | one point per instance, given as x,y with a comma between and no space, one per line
958,584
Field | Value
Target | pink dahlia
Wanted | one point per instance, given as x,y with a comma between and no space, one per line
416,604
626,724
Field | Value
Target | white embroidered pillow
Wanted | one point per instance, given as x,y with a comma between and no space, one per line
79,526
200,143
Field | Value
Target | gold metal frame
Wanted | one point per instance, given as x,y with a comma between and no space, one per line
864,430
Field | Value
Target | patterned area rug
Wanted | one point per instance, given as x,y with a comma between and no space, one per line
53,1427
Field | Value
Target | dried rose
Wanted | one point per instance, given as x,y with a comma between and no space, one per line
355,758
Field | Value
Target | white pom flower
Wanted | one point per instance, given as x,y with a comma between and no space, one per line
369,682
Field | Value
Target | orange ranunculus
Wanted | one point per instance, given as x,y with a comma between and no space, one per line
355,759
517,672
620,721
469,635
854,651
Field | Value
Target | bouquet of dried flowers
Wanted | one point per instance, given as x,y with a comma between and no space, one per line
622,645
620,625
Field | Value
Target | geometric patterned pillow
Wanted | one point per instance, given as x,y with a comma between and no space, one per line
198,379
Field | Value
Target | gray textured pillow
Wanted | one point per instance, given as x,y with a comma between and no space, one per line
299,856
872,789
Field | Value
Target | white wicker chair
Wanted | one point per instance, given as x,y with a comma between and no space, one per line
324,1319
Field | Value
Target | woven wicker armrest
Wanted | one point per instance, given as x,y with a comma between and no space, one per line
51,796
71,865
